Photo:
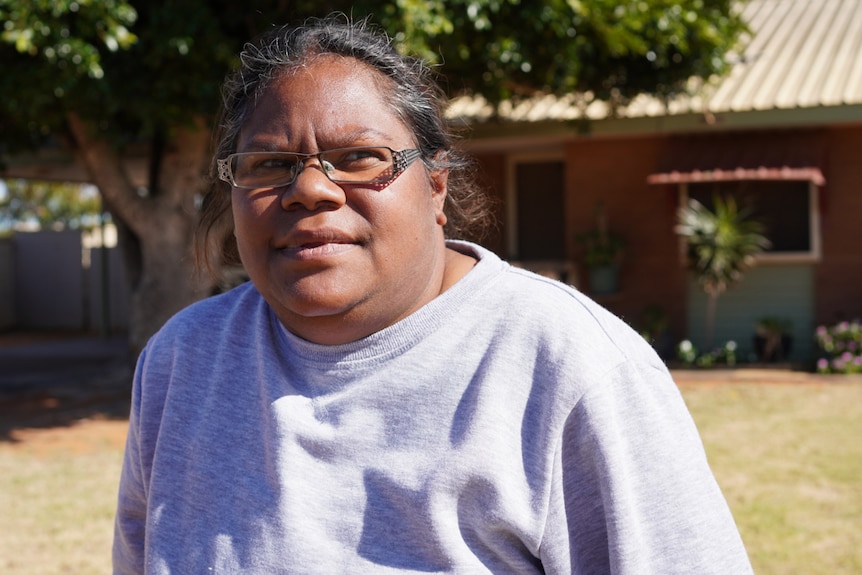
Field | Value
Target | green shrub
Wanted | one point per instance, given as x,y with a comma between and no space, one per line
689,355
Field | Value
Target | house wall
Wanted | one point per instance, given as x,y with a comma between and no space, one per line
838,277
771,290
614,172
491,174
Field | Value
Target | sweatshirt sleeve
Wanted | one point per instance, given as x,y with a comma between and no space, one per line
632,492
131,517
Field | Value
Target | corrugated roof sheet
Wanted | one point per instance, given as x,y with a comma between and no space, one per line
801,54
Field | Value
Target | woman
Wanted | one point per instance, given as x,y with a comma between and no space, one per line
382,399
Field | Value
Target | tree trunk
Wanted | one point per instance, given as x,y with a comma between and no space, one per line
158,243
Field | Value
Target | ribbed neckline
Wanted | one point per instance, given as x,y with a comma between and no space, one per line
397,338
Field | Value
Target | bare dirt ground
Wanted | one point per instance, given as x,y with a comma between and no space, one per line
83,437
46,426
67,406
64,421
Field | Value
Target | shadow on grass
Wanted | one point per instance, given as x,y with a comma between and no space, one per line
92,392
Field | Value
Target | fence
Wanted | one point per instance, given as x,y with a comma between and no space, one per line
52,281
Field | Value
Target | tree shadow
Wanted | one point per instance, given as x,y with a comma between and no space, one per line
94,392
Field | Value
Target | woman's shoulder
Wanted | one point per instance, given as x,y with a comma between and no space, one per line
525,300
563,318
212,315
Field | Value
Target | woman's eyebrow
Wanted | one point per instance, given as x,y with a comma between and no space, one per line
364,133
367,136
261,145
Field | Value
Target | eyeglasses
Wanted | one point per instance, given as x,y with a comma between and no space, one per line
377,166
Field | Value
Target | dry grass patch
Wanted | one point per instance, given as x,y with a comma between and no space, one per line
58,495
789,459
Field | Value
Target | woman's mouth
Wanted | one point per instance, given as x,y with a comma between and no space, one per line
317,250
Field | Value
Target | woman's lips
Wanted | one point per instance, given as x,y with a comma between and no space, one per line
317,250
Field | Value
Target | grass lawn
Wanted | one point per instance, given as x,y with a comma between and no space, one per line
789,459
58,489
788,456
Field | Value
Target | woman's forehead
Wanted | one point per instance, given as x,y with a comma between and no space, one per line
335,97
333,69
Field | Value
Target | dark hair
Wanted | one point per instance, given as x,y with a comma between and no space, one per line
412,92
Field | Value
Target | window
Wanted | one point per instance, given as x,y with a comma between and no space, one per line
788,209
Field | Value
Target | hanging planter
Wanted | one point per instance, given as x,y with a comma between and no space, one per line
602,252
604,280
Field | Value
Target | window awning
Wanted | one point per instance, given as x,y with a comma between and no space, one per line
778,155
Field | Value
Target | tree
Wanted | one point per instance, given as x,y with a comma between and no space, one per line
611,50
55,205
103,77
721,247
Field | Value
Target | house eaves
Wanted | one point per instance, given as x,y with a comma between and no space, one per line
800,67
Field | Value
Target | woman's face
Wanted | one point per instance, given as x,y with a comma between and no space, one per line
338,262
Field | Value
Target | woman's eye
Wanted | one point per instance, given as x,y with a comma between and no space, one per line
274,163
358,159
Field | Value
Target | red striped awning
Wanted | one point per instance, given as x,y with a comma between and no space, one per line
776,155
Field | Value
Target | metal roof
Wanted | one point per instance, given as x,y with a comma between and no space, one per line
801,54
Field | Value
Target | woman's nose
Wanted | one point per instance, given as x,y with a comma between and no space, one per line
311,189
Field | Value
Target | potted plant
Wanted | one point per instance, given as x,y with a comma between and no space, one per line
601,252
654,329
773,338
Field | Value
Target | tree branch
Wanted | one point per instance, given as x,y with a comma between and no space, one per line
106,170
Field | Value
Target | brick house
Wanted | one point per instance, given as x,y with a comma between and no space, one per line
782,131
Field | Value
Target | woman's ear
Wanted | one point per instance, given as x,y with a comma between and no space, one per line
439,188
439,182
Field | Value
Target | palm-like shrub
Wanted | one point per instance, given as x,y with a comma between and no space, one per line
721,245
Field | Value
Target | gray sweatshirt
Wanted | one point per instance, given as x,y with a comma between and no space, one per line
510,426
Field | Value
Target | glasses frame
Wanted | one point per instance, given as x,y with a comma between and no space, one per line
401,160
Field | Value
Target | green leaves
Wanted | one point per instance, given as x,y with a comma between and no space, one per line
54,205
52,53
68,35
721,243
610,49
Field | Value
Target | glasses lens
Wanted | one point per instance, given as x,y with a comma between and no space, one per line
263,169
358,164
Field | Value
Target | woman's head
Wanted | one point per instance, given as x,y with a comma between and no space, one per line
342,180
408,87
